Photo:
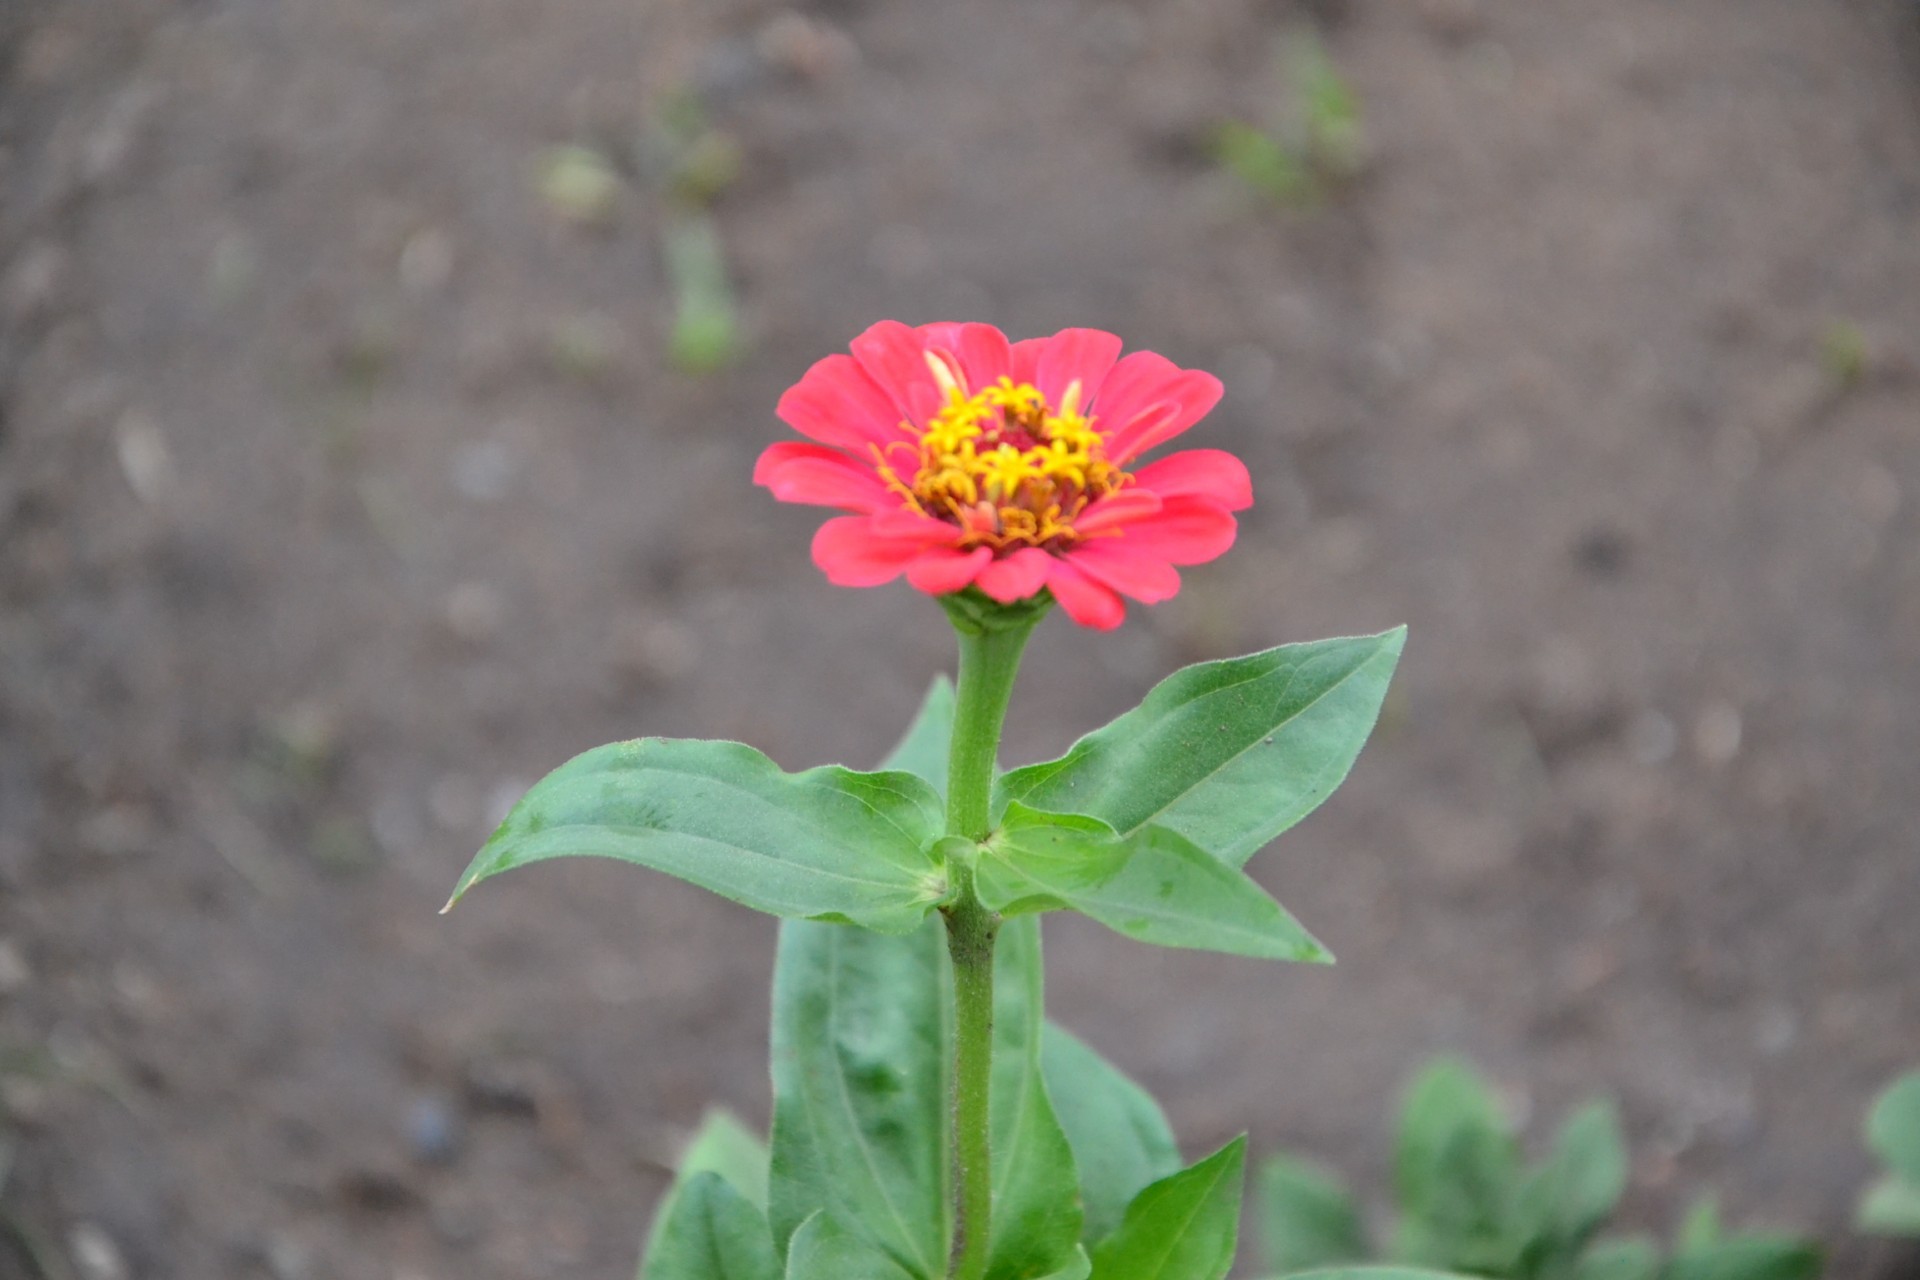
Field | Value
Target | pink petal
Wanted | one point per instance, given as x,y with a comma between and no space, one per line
822,477
1186,530
1023,358
945,569
1123,567
1016,577
1118,508
1075,355
1205,473
851,554
1087,602
836,403
985,352
1148,399
895,357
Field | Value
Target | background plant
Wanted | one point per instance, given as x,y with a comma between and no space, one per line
1467,1201
1892,1205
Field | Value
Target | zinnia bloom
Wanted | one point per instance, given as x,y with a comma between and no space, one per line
1013,467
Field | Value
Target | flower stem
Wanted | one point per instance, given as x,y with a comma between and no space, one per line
990,647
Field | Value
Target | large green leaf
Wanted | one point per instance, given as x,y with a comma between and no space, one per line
1183,1227
1154,885
1120,1138
824,1249
826,844
1036,1208
724,1146
923,751
1229,754
1307,1217
710,1231
1456,1172
862,1036
1893,1127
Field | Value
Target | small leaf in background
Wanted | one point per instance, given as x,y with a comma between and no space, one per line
1120,1138
1228,754
1893,1128
862,1038
1183,1227
1153,886
923,750
706,321
708,1230
824,1249
1328,107
1263,162
828,843
1573,1193
1636,1258
580,185
1891,1207
1456,1172
1306,1217
1036,1208
1749,1257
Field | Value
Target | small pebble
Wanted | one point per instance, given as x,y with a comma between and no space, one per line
1716,733
483,470
145,459
1652,738
15,973
95,1255
434,1132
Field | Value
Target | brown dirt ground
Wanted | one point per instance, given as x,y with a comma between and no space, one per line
319,536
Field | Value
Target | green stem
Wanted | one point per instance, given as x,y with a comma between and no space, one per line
990,647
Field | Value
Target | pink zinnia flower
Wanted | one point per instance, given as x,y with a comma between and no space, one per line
970,461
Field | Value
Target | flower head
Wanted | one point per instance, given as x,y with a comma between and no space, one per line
1010,467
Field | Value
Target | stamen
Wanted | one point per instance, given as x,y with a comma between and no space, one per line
1007,467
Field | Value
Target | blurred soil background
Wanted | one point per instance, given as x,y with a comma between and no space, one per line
368,446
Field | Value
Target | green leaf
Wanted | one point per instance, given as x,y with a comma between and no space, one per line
1078,1267
1036,1213
1120,1138
1183,1227
923,751
1700,1229
1371,1273
1155,886
826,844
1749,1257
1891,1208
1229,754
1634,1258
1587,1173
1570,1197
724,1146
709,1231
1307,1218
1893,1127
862,1027
823,1249
1455,1172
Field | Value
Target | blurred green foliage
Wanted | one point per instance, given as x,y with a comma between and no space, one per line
1892,1205
1318,142
1468,1202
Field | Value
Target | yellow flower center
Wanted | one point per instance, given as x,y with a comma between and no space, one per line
1003,464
